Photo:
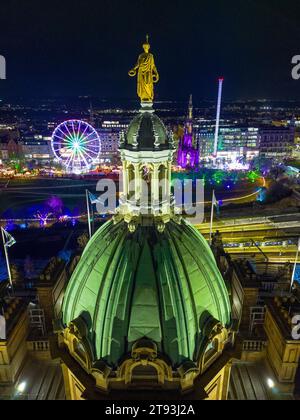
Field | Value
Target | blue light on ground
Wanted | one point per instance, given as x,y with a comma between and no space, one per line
297,274
262,194
3,270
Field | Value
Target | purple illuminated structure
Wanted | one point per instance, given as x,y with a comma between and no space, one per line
188,153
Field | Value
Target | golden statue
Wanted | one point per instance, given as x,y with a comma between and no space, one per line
147,74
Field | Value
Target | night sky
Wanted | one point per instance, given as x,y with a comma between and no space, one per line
70,48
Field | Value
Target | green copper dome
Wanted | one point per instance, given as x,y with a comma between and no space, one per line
165,287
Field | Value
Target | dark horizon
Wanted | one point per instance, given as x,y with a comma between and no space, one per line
86,48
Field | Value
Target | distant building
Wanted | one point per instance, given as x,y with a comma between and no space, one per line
234,141
9,147
206,137
296,149
4,152
241,141
39,151
9,150
37,147
110,137
276,142
238,138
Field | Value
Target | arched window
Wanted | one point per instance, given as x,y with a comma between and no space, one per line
146,190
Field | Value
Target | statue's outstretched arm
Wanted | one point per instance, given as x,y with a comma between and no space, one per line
133,71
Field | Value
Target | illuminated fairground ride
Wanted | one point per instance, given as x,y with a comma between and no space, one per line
76,144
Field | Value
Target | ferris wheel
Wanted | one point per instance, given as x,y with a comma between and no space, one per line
76,144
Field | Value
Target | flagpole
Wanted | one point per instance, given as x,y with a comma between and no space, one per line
212,217
295,266
88,212
6,257
93,220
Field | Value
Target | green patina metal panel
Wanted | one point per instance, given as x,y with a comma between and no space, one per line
129,286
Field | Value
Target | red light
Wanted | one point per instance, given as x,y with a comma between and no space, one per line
221,79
